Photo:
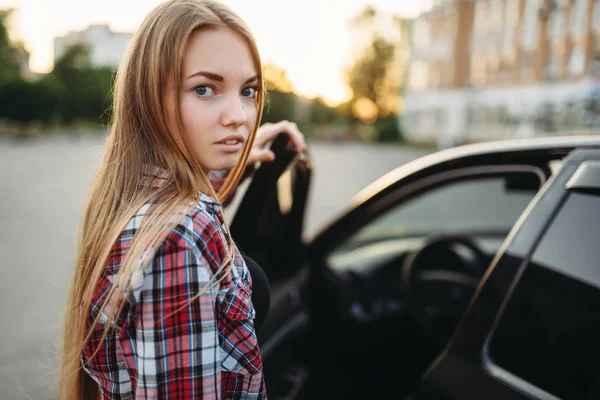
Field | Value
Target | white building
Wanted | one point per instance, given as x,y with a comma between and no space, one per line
492,69
106,47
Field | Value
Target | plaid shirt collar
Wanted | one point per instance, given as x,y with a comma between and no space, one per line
155,177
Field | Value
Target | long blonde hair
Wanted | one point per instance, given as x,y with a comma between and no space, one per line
143,135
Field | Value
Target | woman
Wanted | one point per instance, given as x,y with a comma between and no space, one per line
160,303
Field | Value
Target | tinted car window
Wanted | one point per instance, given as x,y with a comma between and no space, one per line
549,333
484,204
475,204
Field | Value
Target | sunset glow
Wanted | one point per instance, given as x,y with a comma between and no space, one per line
309,39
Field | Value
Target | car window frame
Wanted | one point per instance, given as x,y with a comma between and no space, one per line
416,188
498,372
458,370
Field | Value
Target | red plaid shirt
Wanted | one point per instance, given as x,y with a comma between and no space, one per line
206,349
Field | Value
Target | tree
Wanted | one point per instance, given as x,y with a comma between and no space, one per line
21,102
276,78
86,92
321,113
11,52
24,102
370,77
281,102
376,76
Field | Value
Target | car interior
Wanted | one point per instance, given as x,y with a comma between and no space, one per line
395,290
366,316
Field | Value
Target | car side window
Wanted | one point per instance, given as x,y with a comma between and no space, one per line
548,334
486,204
472,204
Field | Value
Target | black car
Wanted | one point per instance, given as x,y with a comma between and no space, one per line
468,274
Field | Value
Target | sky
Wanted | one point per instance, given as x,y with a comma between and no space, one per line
310,39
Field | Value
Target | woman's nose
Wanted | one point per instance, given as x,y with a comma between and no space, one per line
234,113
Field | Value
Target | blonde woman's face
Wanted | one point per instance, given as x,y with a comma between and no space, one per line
218,97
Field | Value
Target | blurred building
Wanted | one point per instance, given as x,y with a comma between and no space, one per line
489,69
107,48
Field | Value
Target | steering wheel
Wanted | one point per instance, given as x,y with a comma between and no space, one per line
439,281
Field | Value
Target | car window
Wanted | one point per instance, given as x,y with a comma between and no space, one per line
548,334
482,203
472,204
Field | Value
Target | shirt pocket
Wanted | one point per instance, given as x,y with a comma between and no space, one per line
237,336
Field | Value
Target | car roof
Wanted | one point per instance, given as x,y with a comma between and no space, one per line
563,144
524,144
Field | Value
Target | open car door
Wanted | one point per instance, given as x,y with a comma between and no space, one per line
268,227
268,223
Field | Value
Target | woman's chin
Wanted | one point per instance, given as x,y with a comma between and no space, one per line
225,163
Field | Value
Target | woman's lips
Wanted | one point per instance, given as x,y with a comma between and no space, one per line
231,144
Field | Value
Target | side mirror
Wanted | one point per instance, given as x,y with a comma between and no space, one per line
524,182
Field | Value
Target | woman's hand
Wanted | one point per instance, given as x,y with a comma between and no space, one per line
265,135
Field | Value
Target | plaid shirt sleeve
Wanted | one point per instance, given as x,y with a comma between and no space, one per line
177,342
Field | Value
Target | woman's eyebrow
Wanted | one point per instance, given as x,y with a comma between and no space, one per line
217,77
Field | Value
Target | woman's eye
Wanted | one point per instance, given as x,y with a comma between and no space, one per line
249,92
204,91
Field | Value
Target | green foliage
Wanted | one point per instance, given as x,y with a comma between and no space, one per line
378,71
321,113
369,76
388,129
344,110
86,95
282,103
24,102
75,58
10,52
279,106
85,92
21,102
307,113
73,91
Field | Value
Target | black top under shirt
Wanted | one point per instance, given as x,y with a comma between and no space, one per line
261,291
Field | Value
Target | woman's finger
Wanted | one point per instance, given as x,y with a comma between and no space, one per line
260,155
296,136
267,133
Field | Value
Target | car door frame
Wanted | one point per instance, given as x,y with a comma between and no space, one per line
377,198
465,370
